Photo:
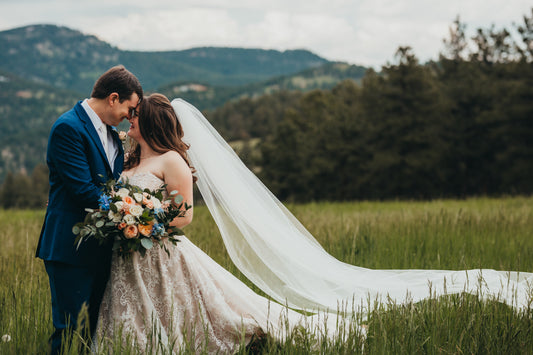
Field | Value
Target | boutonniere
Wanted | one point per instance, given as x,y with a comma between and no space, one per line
122,136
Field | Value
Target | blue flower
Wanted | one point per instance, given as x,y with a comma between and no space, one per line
104,202
158,229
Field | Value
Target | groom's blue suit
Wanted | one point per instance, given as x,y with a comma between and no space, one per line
78,167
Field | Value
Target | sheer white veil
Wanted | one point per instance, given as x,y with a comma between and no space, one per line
275,251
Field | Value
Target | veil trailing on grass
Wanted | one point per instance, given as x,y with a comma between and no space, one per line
275,251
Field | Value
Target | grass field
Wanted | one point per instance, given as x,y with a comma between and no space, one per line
447,234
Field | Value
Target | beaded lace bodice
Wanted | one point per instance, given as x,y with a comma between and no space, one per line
145,180
186,296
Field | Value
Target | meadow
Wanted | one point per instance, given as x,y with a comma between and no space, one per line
492,233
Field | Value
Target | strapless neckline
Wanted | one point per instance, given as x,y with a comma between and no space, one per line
144,180
144,173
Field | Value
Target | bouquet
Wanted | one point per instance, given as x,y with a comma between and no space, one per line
133,218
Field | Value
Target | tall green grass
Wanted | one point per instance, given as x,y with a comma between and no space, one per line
447,234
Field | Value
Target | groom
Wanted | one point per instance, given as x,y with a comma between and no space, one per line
84,151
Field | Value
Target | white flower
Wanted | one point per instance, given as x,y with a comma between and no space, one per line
138,197
122,192
136,210
115,217
6,338
156,202
119,205
129,219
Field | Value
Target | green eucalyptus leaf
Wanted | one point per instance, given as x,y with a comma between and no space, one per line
147,243
176,231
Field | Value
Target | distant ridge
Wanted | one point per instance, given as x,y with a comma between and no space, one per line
70,59
208,97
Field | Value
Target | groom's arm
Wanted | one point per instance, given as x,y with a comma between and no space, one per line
68,159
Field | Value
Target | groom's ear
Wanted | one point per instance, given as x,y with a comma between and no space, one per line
113,99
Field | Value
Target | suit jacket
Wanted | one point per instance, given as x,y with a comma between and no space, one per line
78,169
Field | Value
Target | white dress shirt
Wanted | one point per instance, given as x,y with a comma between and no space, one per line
103,131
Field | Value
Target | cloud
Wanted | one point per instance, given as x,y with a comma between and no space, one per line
158,30
164,30
365,32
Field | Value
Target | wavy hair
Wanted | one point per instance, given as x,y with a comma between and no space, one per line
160,128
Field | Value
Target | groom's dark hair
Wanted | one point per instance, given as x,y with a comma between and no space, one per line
120,80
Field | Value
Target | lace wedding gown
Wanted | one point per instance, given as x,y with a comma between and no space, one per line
187,298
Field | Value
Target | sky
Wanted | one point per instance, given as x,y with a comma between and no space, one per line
363,32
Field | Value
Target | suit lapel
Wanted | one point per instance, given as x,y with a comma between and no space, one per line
119,160
93,134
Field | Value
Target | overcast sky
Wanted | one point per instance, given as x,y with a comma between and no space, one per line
365,32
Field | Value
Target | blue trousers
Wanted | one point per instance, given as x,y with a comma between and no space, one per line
71,287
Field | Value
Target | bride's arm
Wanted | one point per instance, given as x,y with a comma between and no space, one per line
177,175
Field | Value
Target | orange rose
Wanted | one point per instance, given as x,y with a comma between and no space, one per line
128,200
130,231
126,208
146,229
122,225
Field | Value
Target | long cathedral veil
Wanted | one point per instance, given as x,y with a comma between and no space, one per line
275,251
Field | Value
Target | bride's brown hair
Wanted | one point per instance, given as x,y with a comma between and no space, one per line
160,128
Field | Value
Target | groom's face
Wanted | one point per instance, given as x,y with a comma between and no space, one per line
122,110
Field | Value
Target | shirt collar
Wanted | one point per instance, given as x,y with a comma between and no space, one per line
95,119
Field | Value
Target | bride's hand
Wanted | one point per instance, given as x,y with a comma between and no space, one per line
178,177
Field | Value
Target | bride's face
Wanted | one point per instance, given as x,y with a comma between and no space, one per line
134,131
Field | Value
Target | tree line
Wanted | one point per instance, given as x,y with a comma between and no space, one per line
456,127
20,190
460,126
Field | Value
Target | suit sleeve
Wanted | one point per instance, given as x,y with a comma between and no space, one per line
67,154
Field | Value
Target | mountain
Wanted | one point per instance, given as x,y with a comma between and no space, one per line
27,111
207,97
69,59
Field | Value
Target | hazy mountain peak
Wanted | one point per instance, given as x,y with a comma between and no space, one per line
70,59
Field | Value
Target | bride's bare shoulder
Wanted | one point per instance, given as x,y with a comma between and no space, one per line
173,162
172,156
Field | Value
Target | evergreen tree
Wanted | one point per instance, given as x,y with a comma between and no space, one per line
407,134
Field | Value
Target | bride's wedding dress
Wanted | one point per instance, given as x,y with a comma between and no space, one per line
187,298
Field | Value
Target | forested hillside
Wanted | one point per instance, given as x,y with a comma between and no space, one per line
209,97
27,112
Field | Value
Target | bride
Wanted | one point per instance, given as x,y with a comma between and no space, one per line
189,299
184,297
